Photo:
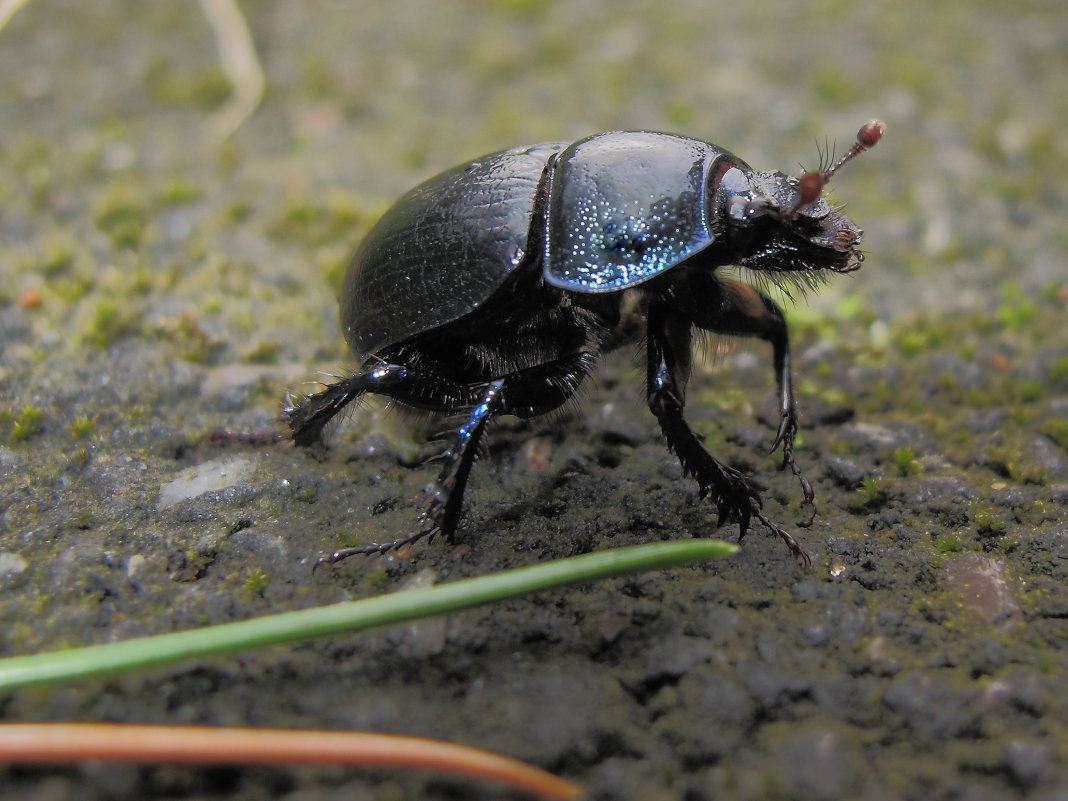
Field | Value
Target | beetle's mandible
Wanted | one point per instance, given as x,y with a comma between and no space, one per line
494,288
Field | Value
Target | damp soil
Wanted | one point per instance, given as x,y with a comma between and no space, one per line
159,287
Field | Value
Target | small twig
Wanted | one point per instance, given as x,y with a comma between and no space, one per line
119,742
237,54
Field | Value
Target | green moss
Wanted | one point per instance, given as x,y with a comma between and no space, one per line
1009,460
1058,371
73,287
724,399
205,88
870,495
711,433
238,210
986,520
332,266
680,115
950,543
1029,391
256,581
57,259
906,462
375,579
196,344
26,423
123,220
1057,430
1008,544
178,191
263,353
1017,310
828,393
81,427
317,75
923,336
836,85
110,321
947,383
335,218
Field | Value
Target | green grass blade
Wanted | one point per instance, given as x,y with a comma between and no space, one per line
381,610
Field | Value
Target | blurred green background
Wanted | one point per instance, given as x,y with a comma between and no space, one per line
111,180
158,282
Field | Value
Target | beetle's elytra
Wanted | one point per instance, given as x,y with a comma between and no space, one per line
493,289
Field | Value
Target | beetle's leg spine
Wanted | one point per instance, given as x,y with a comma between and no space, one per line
308,416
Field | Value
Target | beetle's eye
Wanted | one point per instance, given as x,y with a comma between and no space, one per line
743,208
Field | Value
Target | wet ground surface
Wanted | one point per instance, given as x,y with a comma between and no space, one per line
156,286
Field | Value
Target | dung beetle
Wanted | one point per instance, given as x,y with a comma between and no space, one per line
495,287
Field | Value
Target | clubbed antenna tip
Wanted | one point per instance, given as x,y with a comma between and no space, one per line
812,183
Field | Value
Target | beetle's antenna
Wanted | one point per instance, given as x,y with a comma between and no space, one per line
812,183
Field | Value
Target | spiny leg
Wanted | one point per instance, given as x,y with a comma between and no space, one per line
415,387
668,347
668,350
531,391
308,416
747,312
446,494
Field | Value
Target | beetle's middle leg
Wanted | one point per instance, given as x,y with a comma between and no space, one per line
445,495
524,393
530,391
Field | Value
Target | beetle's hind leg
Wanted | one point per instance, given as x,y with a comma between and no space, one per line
308,416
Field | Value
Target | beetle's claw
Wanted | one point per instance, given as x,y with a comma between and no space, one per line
734,496
743,515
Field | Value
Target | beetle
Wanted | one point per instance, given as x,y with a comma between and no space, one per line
493,288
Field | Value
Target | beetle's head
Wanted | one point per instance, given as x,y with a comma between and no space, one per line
780,224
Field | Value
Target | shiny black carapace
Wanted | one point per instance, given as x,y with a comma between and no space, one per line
494,288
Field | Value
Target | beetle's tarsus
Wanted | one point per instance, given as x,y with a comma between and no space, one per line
785,437
798,552
255,437
374,548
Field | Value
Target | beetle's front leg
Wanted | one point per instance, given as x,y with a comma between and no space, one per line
668,347
668,350
747,312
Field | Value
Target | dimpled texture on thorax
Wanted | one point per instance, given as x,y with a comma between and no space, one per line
443,249
625,206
